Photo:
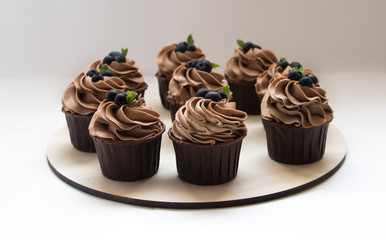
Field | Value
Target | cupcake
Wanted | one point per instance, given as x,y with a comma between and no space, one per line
207,135
275,71
127,137
123,68
295,114
81,99
169,58
189,78
242,70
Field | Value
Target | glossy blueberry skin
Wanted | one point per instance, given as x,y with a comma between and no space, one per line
92,73
120,99
191,48
113,54
313,78
256,46
111,94
180,48
282,64
97,77
120,58
202,92
247,46
295,64
204,65
190,64
215,96
108,60
306,81
222,94
108,73
295,75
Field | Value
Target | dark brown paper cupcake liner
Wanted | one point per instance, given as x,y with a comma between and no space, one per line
295,145
244,94
207,164
78,128
173,108
163,85
129,160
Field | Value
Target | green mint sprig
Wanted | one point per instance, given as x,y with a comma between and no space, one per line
104,68
190,39
226,89
240,42
300,70
131,95
124,51
283,59
214,65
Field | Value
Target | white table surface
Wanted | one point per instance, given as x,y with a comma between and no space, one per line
35,204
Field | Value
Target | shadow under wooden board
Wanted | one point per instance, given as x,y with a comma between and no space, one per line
258,179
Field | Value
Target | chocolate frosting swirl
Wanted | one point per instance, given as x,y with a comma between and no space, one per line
82,96
125,123
273,72
290,103
187,81
204,121
168,60
126,71
248,66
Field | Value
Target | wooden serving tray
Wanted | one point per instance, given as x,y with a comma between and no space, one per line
259,178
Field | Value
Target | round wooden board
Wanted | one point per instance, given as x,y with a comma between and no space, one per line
259,178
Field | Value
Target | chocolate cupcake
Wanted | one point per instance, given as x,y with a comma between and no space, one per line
189,78
296,115
127,137
169,58
123,68
207,137
242,70
81,99
274,71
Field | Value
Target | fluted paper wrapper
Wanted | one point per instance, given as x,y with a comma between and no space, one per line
207,164
245,96
173,108
129,160
295,145
163,85
78,128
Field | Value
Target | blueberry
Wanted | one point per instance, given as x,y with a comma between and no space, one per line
215,96
247,46
282,64
180,48
191,48
295,64
204,65
108,59
256,46
185,44
120,99
113,54
222,94
108,73
97,77
202,92
306,81
313,78
190,64
295,75
110,96
136,97
92,73
120,58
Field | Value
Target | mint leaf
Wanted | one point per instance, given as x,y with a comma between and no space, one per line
227,91
302,70
104,68
214,65
240,42
124,51
131,95
190,39
283,59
